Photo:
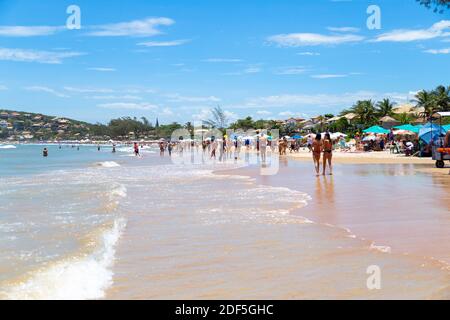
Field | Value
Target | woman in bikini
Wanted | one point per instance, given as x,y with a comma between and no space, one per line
327,153
317,151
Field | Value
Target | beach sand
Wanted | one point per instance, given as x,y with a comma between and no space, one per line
395,216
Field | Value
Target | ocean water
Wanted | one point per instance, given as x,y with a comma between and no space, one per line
84,224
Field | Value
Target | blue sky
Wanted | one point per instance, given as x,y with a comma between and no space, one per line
177,59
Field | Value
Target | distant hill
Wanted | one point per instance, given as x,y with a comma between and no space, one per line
17,125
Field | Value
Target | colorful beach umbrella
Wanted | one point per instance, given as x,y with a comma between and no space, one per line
376,130
431,131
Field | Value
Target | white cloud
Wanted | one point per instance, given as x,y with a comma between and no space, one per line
290,114
47,90
28,31
263,113
23,55
128,106
250,70
438,51
167,112
180,98
3,88
328,76
343,29
308,53
125,97
319,100
102,69
88,90
312,39
224,60
163,43
406,35
137,28
291,70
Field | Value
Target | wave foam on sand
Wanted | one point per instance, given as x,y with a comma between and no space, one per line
85,277
7,147
108,164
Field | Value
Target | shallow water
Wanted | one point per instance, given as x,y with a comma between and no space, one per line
89,225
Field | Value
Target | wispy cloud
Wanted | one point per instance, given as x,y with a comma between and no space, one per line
312,39
407,35
88,90
28,31
3,88
24,55
263,113
290,70
438,51
112,97
128,106
47,90
308,53
100,69
343,29
180,98
173,43
328,76
137,28
318,100
224,60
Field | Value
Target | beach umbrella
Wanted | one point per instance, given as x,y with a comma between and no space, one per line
297,137
376,130
431,131
446,127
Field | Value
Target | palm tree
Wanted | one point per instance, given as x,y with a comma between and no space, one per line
219,119
442,95
427,101
366,112
385,108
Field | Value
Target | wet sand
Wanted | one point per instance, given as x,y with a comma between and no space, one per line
393,216
405,207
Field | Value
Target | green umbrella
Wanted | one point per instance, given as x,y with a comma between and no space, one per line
376,130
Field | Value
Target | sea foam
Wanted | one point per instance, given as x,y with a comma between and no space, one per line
7,147
108,164
86,277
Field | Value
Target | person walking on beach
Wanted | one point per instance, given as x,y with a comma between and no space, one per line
136,149
317,151
327,154
213,147
263,147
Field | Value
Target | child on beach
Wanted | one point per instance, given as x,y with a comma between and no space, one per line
317,151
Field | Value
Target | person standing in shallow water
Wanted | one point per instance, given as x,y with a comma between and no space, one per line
45,152
327,154
317,151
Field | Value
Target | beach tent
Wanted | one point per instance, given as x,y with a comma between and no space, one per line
376,130
431,131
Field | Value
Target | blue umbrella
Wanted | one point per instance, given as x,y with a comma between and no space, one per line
297,137
431,131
